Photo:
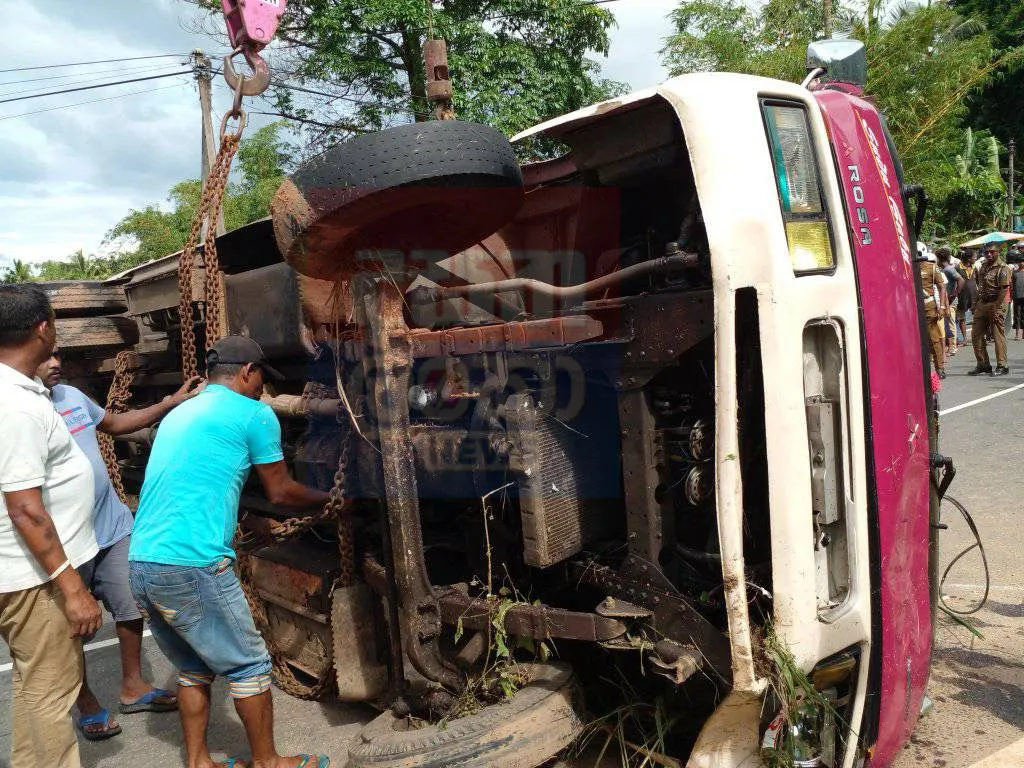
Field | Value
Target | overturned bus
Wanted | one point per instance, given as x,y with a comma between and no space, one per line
634,442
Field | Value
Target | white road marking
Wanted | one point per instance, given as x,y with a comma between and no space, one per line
980,400
90,647
993,588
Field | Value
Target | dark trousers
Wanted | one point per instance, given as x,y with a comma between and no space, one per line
1018,314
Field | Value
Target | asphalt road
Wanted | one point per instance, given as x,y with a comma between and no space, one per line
977,683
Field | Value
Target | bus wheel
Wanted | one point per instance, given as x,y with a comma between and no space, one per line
533,726
397,200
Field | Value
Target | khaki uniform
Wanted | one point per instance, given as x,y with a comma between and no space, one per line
930,277
990,313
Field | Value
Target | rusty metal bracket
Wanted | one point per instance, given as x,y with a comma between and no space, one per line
541,622
381,305
506,337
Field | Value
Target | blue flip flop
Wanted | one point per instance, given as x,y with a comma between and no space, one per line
149,703
322,761
98,718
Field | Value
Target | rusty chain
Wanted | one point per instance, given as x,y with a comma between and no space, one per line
125,365
338,505
209,211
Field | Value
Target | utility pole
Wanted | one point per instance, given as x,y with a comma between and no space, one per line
1010,186
204,77
826,13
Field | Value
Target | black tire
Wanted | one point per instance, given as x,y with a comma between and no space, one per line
86,298
439,186
534,725
83,334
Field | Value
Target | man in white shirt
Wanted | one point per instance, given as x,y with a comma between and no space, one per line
46,532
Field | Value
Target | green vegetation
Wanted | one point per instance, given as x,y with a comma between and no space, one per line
513,63
946,74
928,69
152,233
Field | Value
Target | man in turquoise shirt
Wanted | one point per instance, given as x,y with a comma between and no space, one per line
181,553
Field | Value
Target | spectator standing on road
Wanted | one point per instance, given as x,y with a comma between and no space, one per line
1017,293
968,295
954,284
990,313
181,553
106,575
46,532
933,289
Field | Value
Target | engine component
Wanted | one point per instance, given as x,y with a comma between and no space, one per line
699,486
558,473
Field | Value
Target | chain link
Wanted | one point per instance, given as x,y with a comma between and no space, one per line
338,505
209,211
125,365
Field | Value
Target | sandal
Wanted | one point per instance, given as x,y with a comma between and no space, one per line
233,762
102,719
322,761
149,703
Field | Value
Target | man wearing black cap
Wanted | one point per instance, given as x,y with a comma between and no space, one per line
181,555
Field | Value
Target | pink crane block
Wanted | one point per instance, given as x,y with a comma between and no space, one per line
252,22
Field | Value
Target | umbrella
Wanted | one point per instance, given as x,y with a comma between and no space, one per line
993,237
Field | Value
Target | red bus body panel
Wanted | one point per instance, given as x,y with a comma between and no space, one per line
895,376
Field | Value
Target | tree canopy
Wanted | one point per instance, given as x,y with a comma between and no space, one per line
925,64
358,64
995,106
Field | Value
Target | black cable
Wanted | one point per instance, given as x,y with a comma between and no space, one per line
91,101
984,561
90,87
99,61
83,74
85,79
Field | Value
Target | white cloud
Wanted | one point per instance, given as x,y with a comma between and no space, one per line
69,174
641,32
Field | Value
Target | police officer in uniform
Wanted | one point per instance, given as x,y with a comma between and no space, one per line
990,313
933,293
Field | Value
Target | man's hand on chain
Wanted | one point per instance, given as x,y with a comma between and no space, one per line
257,531
192,387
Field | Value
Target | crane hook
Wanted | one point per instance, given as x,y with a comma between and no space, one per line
247,85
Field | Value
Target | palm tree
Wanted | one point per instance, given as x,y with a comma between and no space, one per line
18,272
81,267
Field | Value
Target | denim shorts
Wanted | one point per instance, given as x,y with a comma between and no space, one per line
202,623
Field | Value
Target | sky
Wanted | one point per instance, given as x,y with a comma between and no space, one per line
70,173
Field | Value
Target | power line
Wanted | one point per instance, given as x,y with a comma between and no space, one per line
87,80
90,87
140,68
93,101
99,61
